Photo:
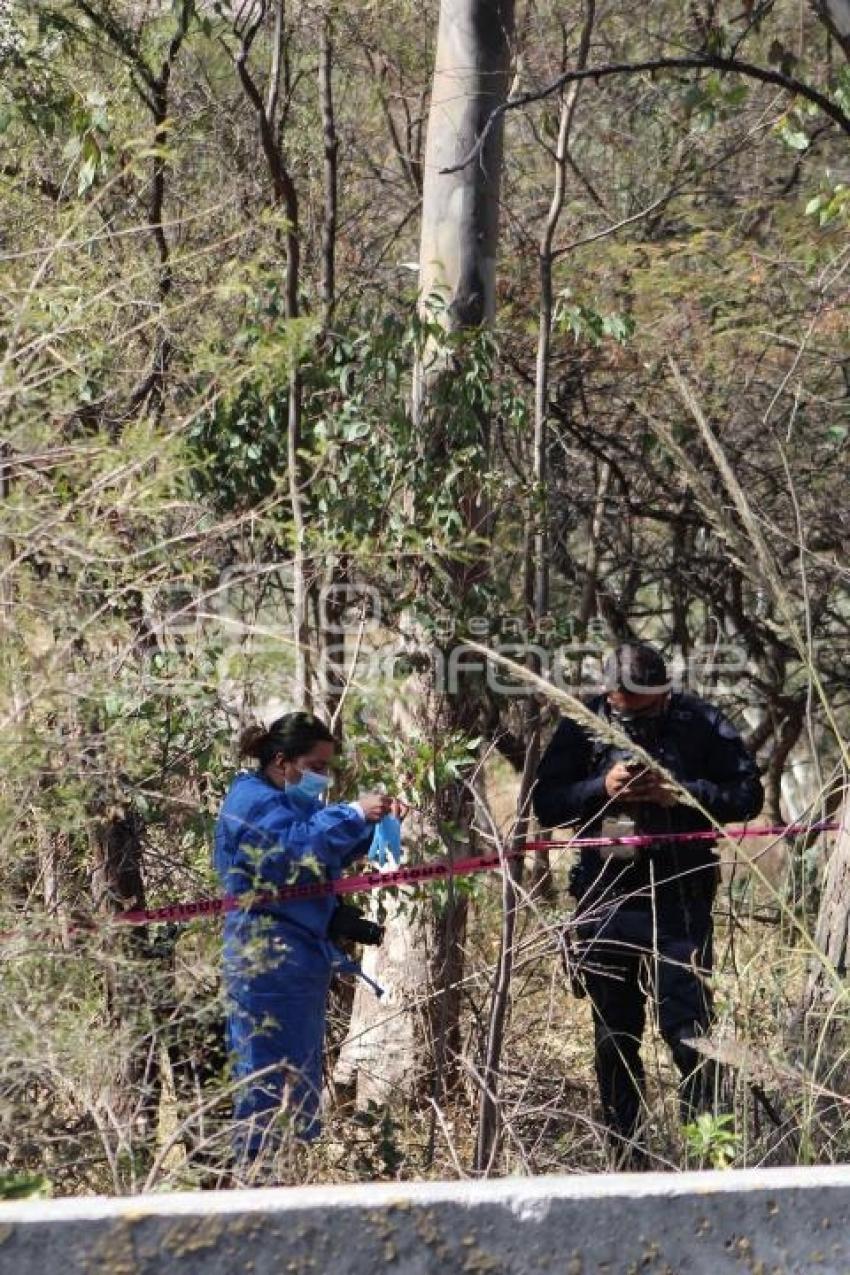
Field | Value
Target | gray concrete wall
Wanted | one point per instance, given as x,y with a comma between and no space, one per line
765,1222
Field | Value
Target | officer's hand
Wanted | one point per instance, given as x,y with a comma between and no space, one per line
375,805
657,790
621,782
652,788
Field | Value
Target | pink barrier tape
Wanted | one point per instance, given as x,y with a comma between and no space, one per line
436,870
441,870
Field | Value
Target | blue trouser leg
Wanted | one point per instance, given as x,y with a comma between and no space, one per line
276,1031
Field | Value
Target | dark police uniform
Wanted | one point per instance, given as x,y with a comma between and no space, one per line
647,921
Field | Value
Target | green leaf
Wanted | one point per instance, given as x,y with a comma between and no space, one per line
86,175
793,137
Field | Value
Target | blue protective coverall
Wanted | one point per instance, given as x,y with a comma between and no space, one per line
647,921
277,956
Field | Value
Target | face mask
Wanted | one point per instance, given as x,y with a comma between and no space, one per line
311,784
643,729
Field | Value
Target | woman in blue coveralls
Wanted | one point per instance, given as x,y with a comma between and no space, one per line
274,831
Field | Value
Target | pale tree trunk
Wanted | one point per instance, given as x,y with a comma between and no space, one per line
382,1052
460,213
460,209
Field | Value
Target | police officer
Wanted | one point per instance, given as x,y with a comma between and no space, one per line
645,914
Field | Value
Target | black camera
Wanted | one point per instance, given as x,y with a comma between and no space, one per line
350,923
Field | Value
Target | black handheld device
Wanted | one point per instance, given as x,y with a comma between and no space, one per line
350,923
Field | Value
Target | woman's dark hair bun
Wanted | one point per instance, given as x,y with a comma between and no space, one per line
252,740
292,736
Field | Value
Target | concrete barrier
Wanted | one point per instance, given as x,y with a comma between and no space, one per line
765,1222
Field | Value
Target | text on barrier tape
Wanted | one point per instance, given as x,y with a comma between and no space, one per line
437,870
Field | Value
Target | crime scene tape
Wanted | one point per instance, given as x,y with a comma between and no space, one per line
436,870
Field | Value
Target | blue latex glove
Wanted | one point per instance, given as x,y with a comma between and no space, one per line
386,841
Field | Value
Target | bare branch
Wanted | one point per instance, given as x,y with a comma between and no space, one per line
701,61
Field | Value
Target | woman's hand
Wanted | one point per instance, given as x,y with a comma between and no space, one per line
375,805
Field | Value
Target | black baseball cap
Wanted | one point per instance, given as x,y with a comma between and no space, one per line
635,667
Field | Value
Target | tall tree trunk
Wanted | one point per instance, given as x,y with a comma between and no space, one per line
285,196
460,215
542,882
489,1124
330,662
587,605
460,209
330,146
537,603
131,984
